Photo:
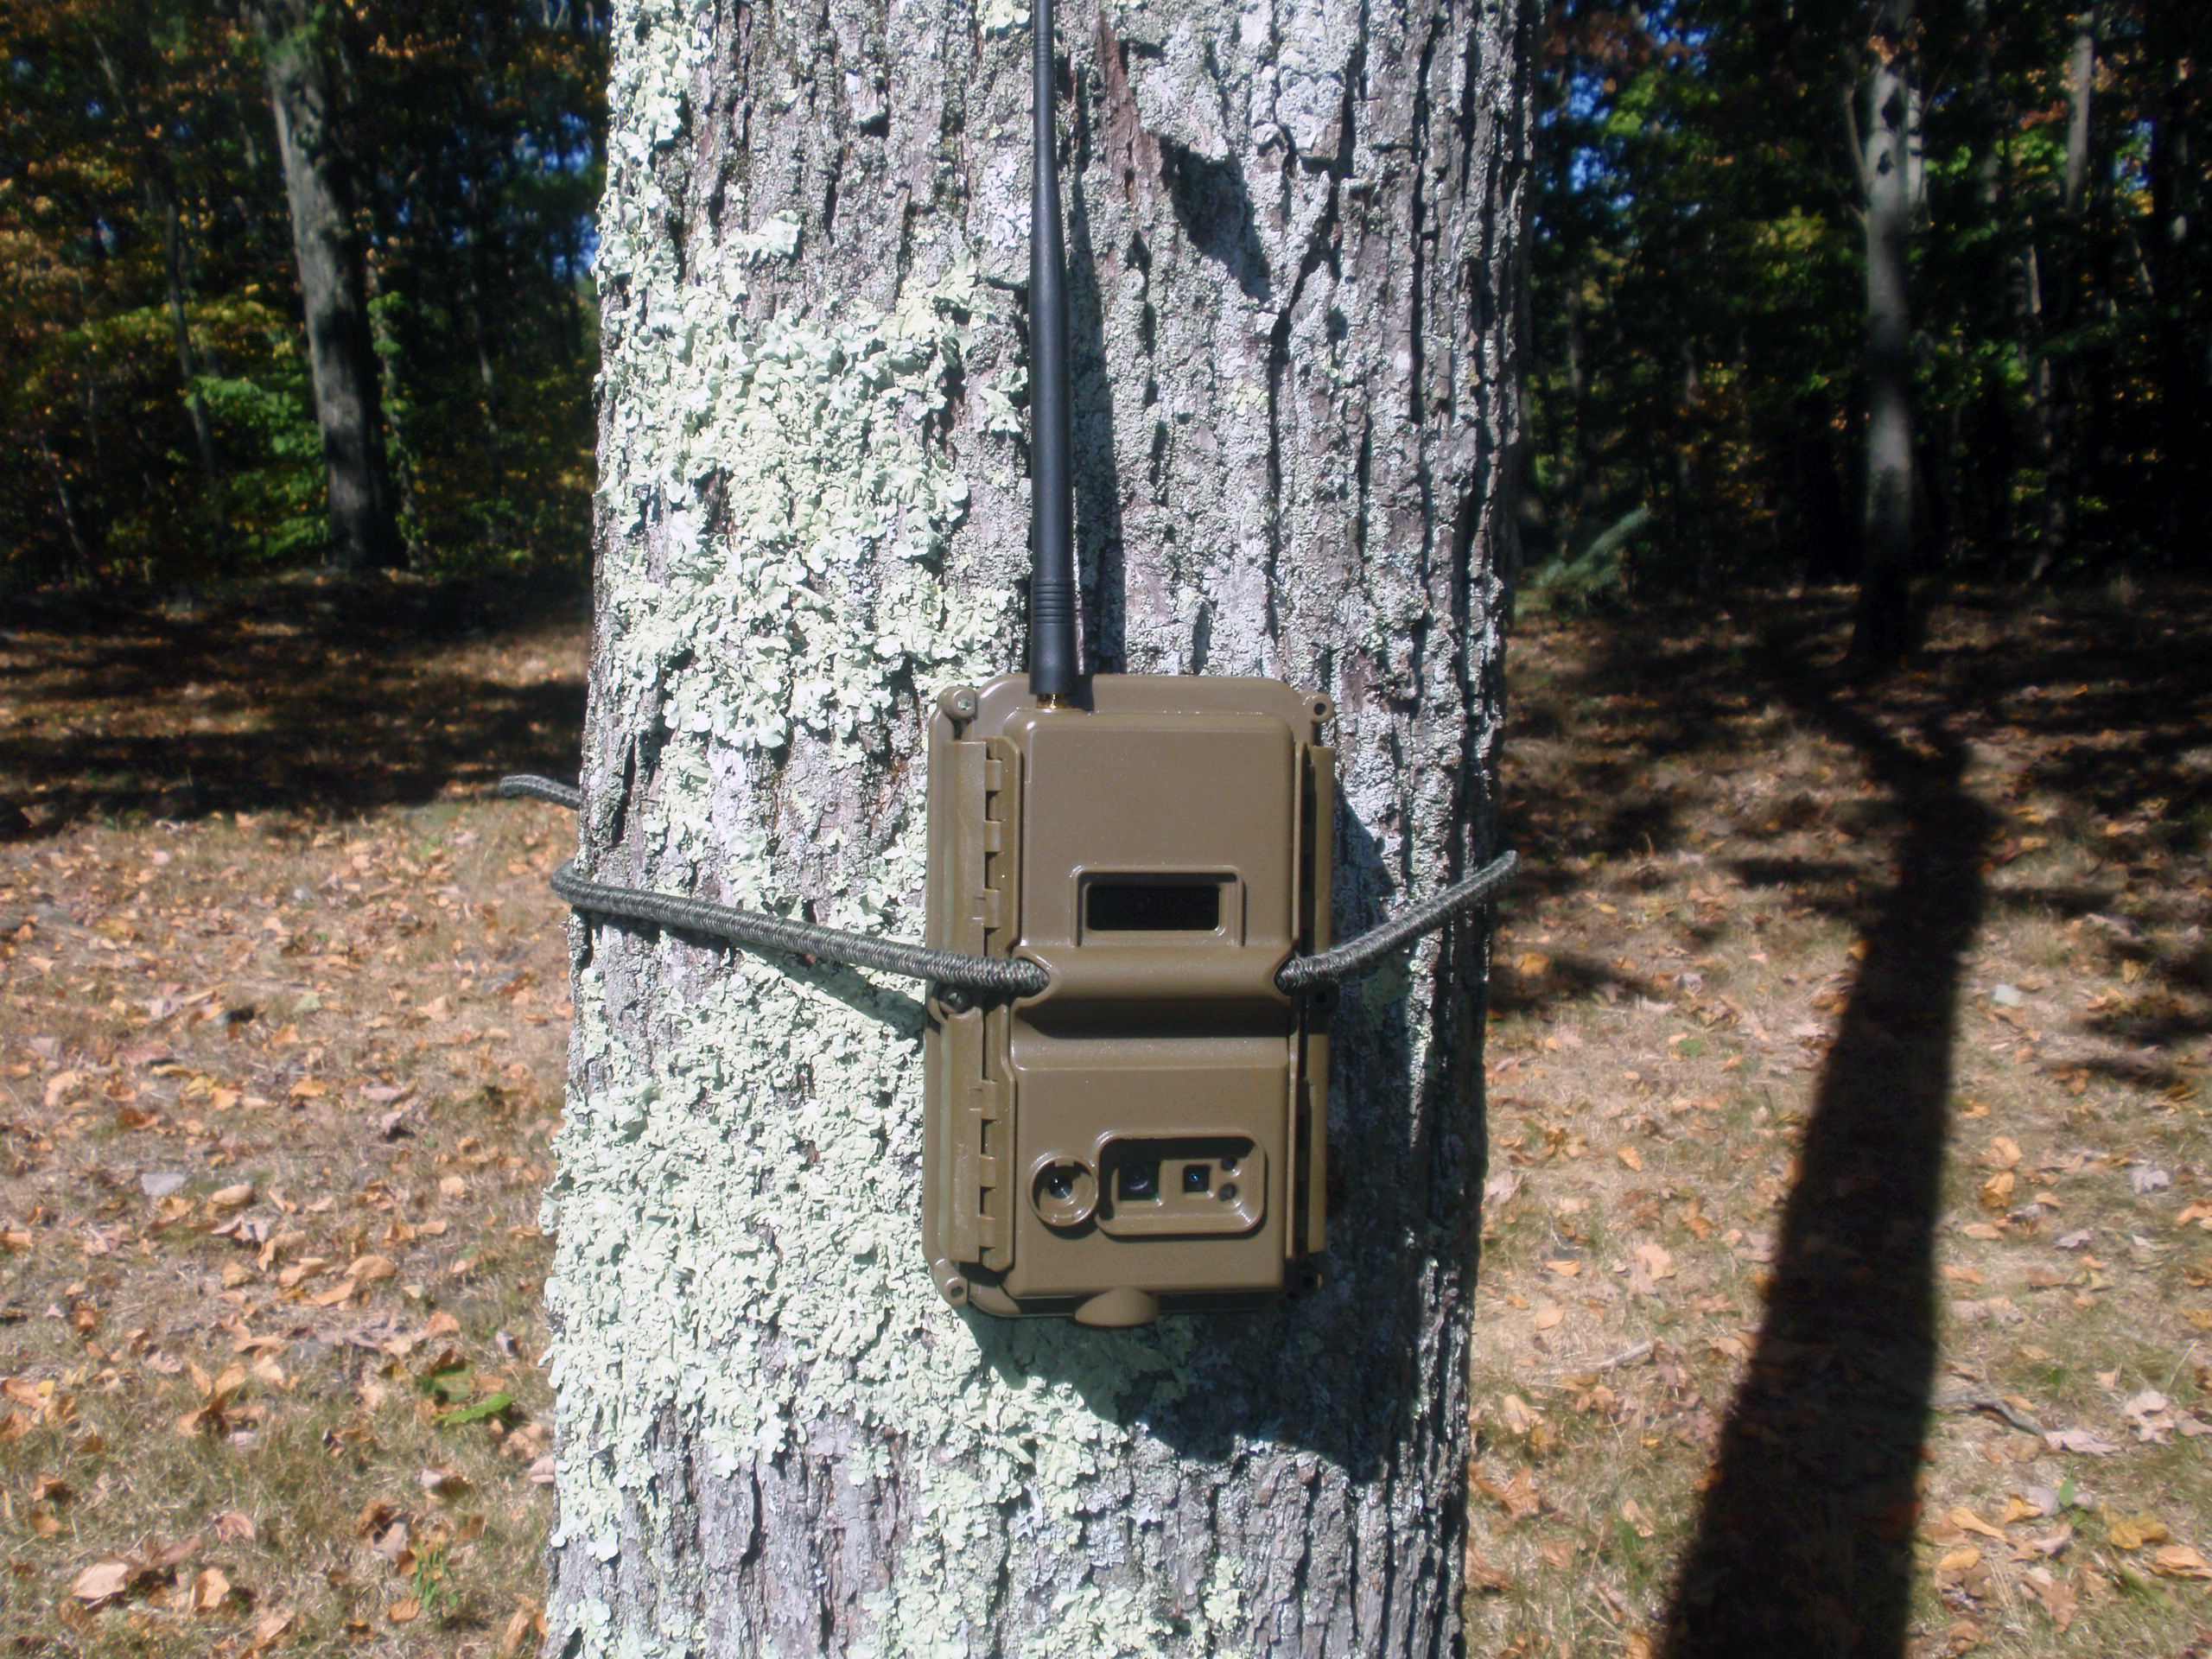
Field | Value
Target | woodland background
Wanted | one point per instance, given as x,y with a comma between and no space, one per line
157,418
1705,337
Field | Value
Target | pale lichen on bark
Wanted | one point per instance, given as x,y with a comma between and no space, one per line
1292,231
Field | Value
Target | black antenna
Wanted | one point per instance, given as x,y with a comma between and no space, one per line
1053,668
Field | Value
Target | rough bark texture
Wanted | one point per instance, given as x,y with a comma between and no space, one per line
1294,238
333,291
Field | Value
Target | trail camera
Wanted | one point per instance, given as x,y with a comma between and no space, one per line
1149,1132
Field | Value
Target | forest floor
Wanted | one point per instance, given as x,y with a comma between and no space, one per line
1846,1284
283,1031
1846,1262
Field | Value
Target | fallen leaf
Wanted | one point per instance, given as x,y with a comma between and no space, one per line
2147,1180
1638,1520
403,1611
2078,1239
101,1581
1549,1316
371,1270
2152,1414
231,1198
1514,1412
1484,1576
1517,1498
209,1590
235,1527
1964,1637
1967,1520
440,1483
267,1628
2180,1561
1649,1264
2004,1152
2134,1531
1997,1190
2045,1547
177,1553
2079,1440
1631,1157
2057,1596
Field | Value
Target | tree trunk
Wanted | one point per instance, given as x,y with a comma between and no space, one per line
1294,254
334,289
2177,183
2064,374
1884,629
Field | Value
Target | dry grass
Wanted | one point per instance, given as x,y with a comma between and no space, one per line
1845,1134
275,1088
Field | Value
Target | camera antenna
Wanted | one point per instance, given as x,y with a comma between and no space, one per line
1053,668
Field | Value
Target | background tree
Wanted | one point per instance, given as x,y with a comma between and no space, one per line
156,417
1294,281
1884,140
1698,352
318,166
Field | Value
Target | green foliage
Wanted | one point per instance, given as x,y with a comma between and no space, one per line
1697,336
156,419
484,1410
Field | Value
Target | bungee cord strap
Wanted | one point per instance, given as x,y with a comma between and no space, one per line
955,969
1357,956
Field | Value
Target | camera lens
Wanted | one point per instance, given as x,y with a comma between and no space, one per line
1140,1181
1194,1178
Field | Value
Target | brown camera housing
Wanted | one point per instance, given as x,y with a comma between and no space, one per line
1150,1133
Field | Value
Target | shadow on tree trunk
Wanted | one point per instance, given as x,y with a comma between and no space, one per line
1805,1543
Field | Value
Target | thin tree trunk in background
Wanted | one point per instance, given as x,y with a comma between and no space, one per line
334,289
2175,185
67,504
1883,630
203,430
161,198
2063,298
2080,79
1295,262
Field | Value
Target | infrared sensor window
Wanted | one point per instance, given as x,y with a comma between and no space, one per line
1138,904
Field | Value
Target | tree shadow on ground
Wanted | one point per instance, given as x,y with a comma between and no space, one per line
1804,1545
2083,706
322,696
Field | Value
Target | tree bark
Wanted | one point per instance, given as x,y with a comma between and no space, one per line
1883,630
1294,255
334,289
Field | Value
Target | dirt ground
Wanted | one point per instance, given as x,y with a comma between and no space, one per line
1846,1284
